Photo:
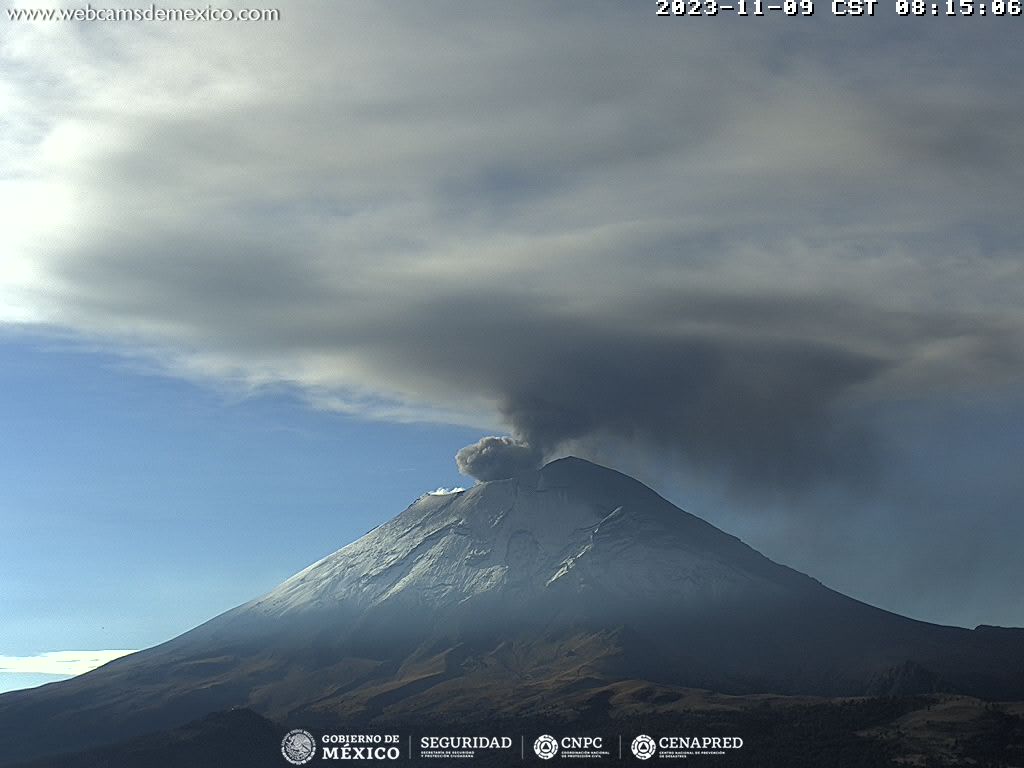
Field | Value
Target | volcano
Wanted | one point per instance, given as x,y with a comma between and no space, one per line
517,598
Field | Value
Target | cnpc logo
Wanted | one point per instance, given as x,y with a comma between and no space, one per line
546,746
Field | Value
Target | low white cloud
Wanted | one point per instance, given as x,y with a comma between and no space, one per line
446,491
59,662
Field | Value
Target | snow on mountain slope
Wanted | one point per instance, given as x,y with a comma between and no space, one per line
539,530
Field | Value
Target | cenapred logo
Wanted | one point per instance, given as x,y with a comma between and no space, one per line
546,747
298,746
643,747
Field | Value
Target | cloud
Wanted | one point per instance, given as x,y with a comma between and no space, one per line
59,662
736,257
497,458
446,491
531,228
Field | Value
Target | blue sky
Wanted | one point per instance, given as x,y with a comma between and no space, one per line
136,506
260,282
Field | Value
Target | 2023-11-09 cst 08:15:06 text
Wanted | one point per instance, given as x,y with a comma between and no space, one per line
976,8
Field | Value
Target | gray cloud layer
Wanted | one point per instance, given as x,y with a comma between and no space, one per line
732,248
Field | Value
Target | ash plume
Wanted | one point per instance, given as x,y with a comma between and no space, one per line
496,458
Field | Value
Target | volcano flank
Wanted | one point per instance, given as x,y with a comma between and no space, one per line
556,590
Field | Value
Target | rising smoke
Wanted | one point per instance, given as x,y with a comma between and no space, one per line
496,458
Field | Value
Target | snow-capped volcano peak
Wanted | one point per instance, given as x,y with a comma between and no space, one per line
567,524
